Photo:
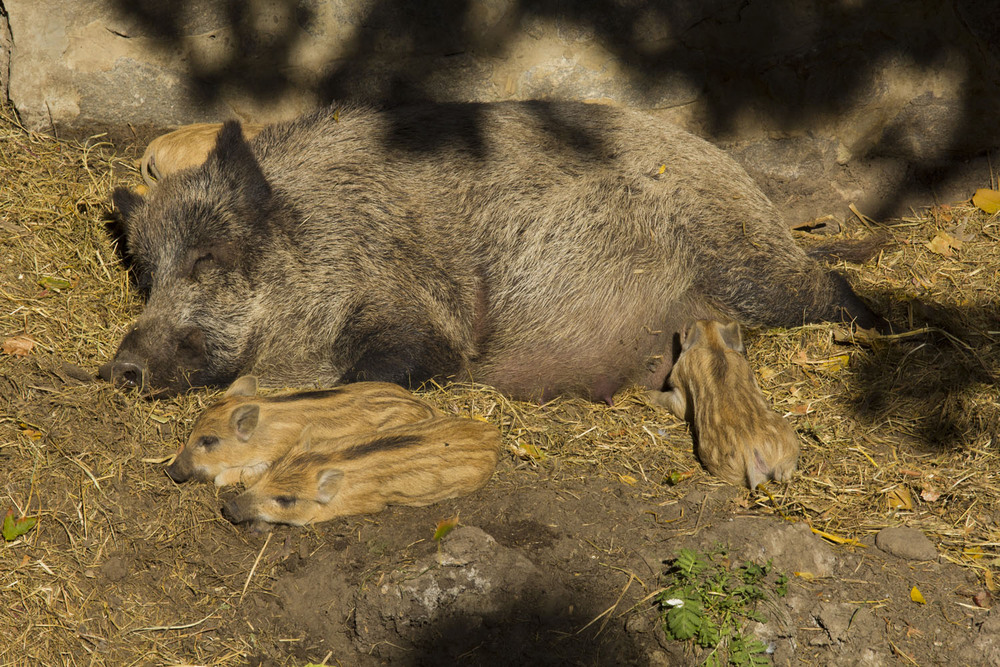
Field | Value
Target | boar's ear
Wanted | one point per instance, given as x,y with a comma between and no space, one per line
732,337
244,420
242,386
126,202
327,484
234,158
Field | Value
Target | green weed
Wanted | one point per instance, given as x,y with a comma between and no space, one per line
710,603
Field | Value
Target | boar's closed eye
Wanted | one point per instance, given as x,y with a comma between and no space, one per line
285,501
203,265
208,441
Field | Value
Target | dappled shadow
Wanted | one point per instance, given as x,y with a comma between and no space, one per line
930,386
788,64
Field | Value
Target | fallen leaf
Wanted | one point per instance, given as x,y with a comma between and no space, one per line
15,528
19,346
801,409
943,244
445,526
983,599
942,213
766,373
837,538
960,232
830,364
987,200
628,479
808,576
899,499
930,494
526,450
675,477
975,553
917,596
52,282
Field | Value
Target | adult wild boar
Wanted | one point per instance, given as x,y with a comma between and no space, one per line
543,248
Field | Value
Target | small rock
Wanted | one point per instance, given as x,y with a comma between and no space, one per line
465,545
907,543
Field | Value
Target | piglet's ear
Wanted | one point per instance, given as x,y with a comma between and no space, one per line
328,483
731,337
244,420
235,160
691,334
245,385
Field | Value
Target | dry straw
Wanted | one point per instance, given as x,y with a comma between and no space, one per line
895,431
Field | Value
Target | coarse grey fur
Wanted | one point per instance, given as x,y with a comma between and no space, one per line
543,248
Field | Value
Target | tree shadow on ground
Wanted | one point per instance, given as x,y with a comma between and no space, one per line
792,64
931,385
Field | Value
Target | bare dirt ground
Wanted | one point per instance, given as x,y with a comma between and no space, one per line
560,558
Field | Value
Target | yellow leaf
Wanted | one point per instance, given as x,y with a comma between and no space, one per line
943,243
158,418
916,596
628,479
837,538
663,168
528,451
987,200
899,499
830,364
808,576
766,373
973,552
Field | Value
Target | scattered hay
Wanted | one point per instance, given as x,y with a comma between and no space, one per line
894,431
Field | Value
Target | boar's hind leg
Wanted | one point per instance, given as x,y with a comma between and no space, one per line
770,294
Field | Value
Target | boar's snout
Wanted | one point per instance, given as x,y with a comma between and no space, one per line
127,374
155,358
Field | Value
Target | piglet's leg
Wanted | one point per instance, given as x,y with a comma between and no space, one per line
673,401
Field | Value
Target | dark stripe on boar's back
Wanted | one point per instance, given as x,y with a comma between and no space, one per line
306,395
385,444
